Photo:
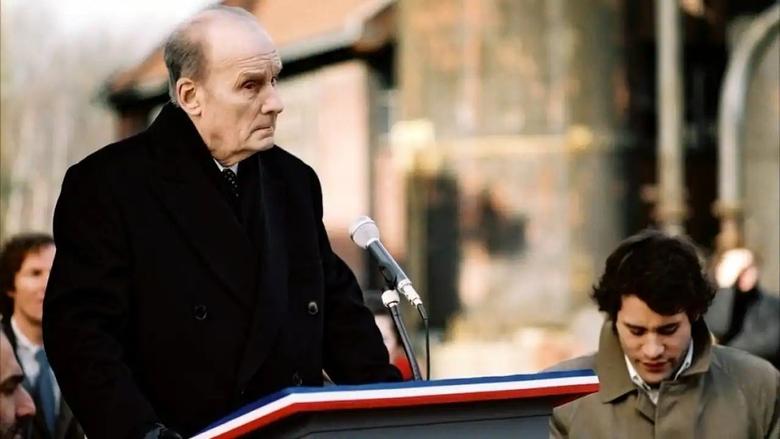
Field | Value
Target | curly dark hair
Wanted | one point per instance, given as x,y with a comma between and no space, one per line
12,256
662,270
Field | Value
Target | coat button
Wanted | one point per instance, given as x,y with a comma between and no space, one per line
200,312
296,379
313,308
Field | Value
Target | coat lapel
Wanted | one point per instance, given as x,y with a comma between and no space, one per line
614,380
64,420
196,205
201,212
272,299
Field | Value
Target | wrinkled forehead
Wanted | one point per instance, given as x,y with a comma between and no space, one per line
267,64
270,60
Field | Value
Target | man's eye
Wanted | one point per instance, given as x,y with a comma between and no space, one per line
274,80
249,85
637,331
667,331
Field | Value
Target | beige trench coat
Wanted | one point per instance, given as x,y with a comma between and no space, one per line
726,393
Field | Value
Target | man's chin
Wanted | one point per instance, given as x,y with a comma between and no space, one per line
654,378
247,150
261,145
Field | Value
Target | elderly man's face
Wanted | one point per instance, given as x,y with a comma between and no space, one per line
16,405
239,101
655,344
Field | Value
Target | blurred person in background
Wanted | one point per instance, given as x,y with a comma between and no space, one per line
16,405
25,263
660,374
742,315
193,272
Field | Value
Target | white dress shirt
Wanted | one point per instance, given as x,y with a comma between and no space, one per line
652,392
233,168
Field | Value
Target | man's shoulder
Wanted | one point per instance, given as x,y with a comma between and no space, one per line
571,407
583,362
768,306
117,154
754,377
740,364
281,157
566,415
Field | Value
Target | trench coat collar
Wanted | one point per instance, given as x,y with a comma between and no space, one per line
614,380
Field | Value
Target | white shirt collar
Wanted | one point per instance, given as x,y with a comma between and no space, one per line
233,168
22,342
653,392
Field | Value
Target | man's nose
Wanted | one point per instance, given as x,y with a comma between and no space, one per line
24,403
273,103
653,348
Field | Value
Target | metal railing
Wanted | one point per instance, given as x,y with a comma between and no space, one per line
746,55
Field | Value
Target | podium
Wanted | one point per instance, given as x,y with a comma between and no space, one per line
496,407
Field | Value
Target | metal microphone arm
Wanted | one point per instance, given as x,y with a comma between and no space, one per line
390,299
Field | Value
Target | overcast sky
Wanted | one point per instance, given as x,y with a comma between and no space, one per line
79,15
74,46
56,58
125,16
139,25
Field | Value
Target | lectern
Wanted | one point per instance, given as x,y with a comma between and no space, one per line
496,407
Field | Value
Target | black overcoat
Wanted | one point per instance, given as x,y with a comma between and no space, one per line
163,307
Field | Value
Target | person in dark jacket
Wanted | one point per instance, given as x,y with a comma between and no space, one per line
25,263
742,315
193,272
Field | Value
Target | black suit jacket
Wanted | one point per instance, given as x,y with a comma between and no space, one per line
66,426
163,307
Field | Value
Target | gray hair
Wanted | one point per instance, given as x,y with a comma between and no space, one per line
184,54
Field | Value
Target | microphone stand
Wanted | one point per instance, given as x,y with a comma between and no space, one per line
391,299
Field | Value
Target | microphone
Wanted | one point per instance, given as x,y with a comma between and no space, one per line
365,234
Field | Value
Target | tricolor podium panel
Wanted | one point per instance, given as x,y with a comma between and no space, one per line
508,406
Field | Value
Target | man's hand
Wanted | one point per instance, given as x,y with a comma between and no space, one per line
737,268
162,432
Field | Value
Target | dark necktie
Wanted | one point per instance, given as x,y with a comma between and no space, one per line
44,387
232,181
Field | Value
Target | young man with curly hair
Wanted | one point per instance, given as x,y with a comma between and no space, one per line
660,375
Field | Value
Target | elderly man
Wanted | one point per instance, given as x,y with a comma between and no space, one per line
16,405
660,376
193,273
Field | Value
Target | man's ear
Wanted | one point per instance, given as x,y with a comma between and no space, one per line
187,93
11,294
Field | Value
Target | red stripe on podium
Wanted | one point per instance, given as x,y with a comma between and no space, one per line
405,401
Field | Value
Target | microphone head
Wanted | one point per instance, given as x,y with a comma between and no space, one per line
363,231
